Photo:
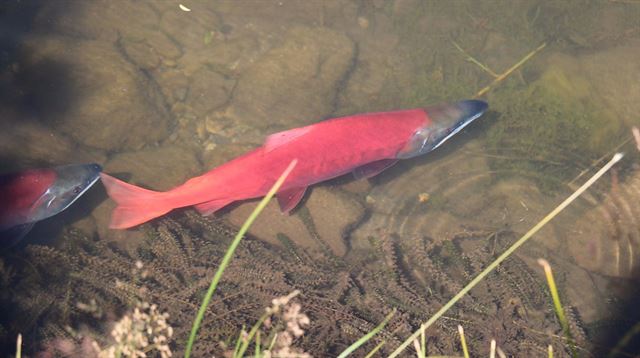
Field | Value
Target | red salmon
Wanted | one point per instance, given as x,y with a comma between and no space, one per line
36,194
364,144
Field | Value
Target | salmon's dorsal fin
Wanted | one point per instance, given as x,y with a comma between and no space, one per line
276,140
290,198
374,168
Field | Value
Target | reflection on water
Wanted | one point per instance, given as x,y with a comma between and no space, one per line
157,95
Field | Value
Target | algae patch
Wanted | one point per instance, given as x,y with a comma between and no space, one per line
551,129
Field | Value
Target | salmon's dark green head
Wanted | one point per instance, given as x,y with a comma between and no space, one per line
444,121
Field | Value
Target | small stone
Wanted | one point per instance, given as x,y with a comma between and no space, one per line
180,94
201,131
169,63
214,125
210,146
363,22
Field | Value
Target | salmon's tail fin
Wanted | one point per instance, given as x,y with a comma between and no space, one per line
135,205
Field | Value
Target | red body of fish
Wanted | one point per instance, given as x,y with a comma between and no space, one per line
18,194
324,150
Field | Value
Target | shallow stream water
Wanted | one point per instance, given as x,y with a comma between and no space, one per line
158,92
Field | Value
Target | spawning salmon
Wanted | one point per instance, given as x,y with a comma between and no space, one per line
363,144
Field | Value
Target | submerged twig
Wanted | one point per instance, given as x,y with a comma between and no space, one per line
636,136
505,74
478,63
597,161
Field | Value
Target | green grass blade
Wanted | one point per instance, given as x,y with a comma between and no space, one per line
375,350
273,342
19,346
229,254
628,337
509,251
252,332
558,305
367,336
463,342
423,342
238,342
258,353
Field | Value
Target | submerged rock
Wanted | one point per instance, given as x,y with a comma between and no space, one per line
189,29
159,168
274,227
92,94
334,214
616,75
100,20
29,143
294,83
208,91
319,223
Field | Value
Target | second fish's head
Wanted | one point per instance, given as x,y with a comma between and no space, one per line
444,121
71,181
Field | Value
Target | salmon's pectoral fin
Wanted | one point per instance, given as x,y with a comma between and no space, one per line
374,168
210,207
290,198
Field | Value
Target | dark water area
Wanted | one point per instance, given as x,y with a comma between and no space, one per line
158,92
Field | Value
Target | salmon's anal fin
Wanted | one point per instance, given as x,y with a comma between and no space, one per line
374,168
290,198
209,207
135,205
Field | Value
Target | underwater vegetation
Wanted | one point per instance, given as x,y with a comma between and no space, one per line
179,260
550,129
343,299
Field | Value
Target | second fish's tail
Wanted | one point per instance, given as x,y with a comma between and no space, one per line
135,205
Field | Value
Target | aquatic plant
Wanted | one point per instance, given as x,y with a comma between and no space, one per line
507,253
177,257
557,305
345,299
549,130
